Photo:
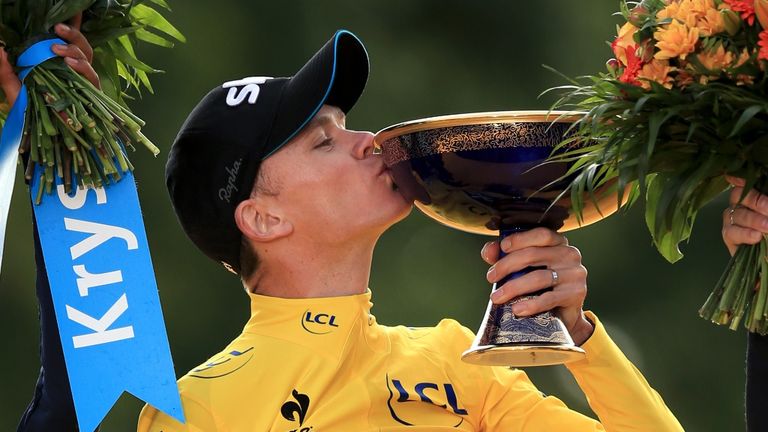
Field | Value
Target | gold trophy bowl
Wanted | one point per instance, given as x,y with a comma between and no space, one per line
487,173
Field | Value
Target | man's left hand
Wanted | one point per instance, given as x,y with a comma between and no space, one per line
542,247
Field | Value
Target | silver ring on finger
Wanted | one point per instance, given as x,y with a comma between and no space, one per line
555,277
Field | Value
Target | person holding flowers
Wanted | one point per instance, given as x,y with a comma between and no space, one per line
51,407
682,112
71,127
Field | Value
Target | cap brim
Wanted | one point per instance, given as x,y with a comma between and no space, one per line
336,75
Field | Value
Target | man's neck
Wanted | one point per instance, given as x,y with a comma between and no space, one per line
312,271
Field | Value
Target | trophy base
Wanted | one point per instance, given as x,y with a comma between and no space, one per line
519,355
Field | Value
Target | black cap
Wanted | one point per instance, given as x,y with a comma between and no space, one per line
213,163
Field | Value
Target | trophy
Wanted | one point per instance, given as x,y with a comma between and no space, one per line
486,173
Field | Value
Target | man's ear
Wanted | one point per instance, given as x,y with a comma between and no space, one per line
260,223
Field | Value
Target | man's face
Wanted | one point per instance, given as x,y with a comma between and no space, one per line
330,185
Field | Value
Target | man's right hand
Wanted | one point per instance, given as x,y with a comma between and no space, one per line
78,54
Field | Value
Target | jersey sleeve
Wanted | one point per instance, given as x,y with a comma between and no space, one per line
198,419
616,390
513,403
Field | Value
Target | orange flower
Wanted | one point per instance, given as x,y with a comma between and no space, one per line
761,10
716,60
701,14
679,10
624,39
657,71
710,22
676,40
745,7
763,43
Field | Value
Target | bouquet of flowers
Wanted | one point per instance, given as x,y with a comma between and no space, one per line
683,103
73,130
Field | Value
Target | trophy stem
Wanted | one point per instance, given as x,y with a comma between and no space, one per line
507,340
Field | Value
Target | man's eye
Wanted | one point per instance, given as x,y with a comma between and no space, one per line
327,144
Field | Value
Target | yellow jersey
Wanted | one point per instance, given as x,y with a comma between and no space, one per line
325,364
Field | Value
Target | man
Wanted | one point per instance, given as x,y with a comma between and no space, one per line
355,374
266,179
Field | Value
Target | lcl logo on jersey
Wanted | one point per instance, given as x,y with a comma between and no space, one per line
296,410
246,88
318,323
406,403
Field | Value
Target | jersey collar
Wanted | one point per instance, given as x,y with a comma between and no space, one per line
327,325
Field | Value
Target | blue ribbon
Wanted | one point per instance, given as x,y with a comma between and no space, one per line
102,281
105,297
10,140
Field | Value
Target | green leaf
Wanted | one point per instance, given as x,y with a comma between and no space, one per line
102,37
124,56
162,3
149,37
63,10
746,116
146,15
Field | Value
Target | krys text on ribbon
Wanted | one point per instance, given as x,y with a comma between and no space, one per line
106,300
99,233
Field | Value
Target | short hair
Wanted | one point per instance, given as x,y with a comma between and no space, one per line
249,259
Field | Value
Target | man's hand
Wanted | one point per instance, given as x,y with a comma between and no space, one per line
541,247
744,222
78,54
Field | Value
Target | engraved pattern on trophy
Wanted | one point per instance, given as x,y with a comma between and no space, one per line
539,328
466,138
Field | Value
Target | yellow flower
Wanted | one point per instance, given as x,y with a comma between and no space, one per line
676,40
701,14
681,11
710,22
717,59
624,39
658,71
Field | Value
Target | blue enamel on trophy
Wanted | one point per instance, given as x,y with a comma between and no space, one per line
486,173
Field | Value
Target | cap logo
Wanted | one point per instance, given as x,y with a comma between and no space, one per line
225,193
246,88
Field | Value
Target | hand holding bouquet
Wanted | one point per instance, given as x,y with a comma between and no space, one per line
683,104
73,130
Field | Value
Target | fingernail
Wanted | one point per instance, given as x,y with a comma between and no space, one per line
57,47
64,27
506,244
491,273
496,295
70,61
483,250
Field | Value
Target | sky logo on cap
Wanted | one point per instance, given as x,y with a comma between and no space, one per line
246,88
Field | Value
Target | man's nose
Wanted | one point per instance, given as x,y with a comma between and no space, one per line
363,144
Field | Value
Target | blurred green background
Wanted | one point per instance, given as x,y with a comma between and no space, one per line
427,58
